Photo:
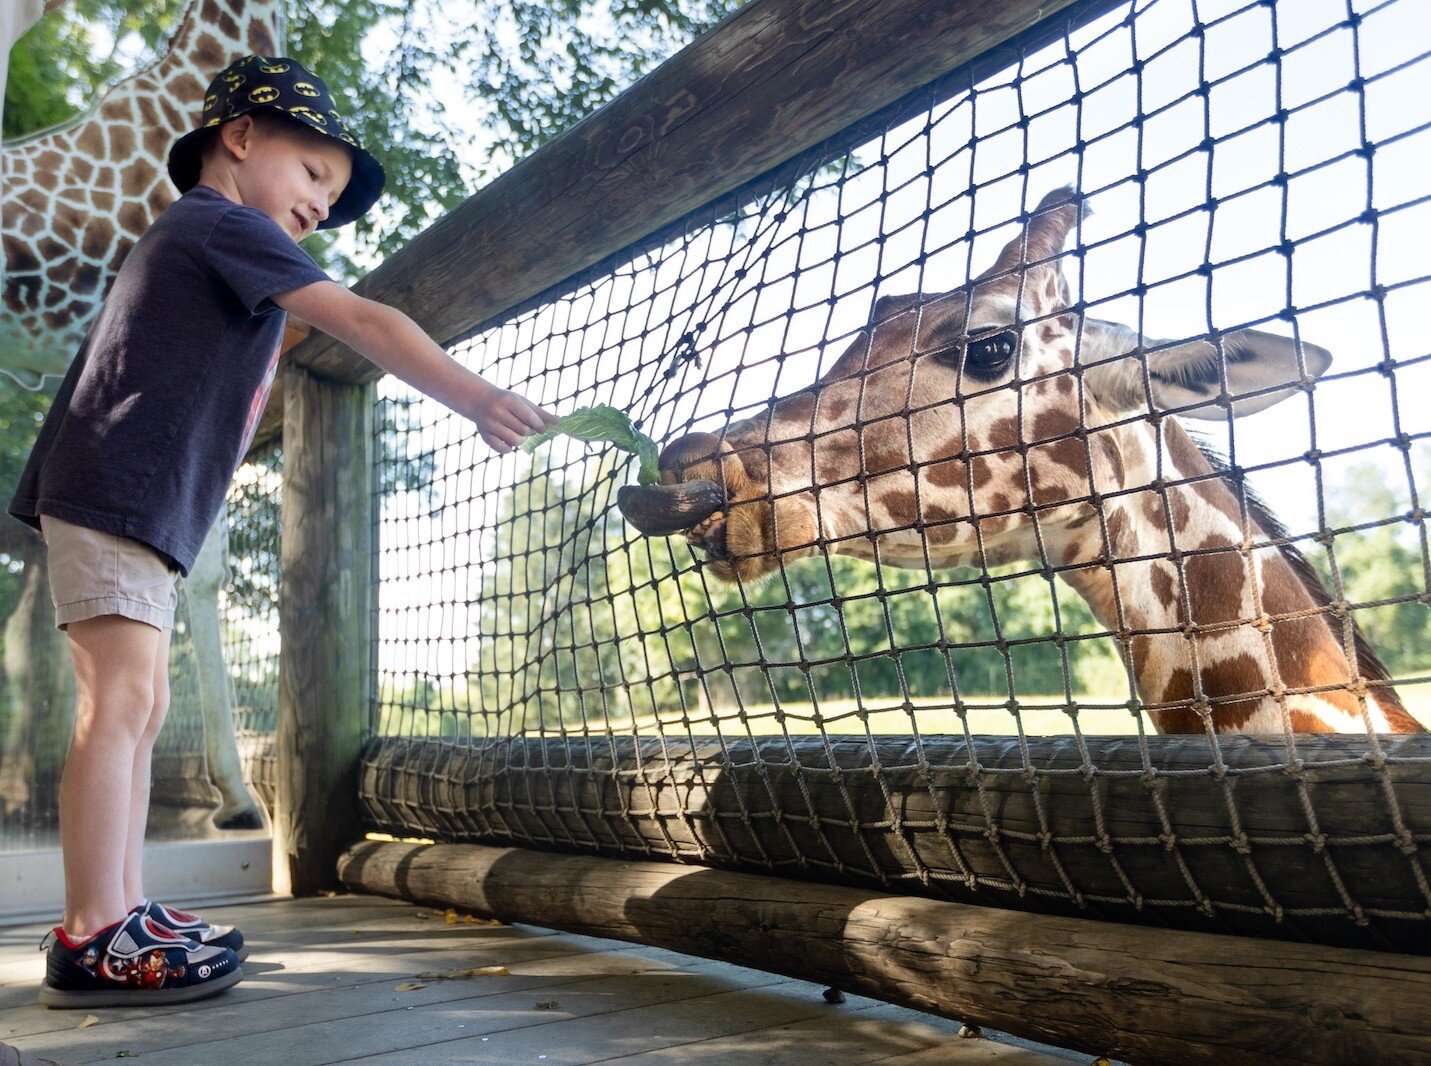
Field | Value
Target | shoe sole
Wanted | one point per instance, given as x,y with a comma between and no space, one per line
136,997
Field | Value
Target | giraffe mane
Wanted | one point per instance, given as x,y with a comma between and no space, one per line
1369,663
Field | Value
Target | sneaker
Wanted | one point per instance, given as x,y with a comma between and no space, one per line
195,928
136,962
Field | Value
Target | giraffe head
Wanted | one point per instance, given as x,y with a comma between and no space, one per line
975,426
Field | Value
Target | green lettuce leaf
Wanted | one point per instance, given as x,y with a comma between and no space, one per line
604,423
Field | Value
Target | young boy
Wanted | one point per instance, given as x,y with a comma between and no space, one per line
134,460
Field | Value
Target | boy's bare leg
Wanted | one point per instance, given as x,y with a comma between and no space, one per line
114,680
139,790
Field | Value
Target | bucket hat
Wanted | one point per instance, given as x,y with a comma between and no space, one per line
282,85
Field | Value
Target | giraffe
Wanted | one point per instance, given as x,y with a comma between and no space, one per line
996,423
77,197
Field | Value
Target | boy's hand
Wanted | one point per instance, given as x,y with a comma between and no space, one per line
503,417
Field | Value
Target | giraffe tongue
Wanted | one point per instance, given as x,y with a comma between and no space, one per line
660,510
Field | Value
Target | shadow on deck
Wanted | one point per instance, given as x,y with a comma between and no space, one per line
322,986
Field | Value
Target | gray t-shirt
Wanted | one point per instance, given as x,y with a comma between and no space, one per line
161,403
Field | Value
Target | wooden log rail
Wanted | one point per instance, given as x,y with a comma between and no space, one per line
775,79
1148,996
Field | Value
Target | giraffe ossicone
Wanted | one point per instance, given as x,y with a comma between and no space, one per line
997,423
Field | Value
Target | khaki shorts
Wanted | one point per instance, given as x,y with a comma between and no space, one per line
94,573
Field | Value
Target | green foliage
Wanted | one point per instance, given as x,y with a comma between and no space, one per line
59,66
416,77
1387,562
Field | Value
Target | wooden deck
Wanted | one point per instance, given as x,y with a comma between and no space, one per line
322,986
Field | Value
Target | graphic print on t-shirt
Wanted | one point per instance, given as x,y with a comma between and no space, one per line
260,401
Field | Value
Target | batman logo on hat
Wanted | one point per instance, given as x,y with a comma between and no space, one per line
210,101
304,88
264,94
232,80
274,68
309,114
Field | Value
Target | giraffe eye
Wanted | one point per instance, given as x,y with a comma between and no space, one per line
990,354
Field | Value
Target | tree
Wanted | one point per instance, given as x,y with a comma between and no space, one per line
522,72
1385,566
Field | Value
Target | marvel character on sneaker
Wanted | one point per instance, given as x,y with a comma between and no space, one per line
135,458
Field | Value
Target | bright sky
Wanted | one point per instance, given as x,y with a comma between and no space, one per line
1350,409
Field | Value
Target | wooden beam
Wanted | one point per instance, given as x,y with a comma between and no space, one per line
1141,994
773,80
326,618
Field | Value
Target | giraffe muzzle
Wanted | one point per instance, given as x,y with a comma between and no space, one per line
661,510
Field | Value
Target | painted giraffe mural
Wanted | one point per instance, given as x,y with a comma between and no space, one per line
996,423
77,197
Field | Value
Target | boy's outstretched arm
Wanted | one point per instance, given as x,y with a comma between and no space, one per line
400,346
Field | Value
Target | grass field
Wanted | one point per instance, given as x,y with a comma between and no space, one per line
1040,716
986,715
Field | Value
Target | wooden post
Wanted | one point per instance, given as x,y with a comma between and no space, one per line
326,618
1147,995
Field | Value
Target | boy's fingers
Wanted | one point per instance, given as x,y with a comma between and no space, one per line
530,417
497,440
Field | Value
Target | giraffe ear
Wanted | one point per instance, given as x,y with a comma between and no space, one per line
1186,377
1260,369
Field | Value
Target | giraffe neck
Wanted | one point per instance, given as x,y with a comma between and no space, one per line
1231,638
80,194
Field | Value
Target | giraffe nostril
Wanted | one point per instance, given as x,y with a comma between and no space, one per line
713,542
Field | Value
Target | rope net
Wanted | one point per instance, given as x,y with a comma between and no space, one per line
1000,391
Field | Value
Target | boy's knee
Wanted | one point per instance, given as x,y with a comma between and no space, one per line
158,710
125,704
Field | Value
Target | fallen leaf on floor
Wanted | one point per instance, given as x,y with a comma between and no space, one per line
410,986
548,1004
89,1019
459,975
451,916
